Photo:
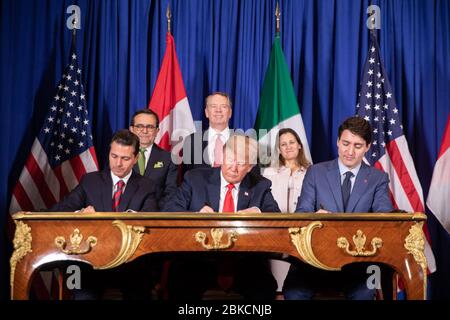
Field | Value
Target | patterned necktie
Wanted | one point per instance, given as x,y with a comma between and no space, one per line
117,194
228,203
141,161
346,188
218,149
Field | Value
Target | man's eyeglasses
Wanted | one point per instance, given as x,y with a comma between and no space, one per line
141,127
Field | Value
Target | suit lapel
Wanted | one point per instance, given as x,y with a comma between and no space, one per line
244,194
152,158
130,190
334,180
213,190
106,191
359,188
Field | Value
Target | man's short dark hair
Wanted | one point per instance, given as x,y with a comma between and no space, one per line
145,111
358,126
127,138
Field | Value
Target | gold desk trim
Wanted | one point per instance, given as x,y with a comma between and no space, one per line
216,235
131,238
302,240
359,239
75,243
214,216
415,244
22,246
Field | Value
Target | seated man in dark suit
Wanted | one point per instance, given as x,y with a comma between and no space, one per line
345,184
232,187
119,189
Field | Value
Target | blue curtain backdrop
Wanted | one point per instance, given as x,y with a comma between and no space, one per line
225,45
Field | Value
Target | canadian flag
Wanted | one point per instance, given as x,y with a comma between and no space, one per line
439,194
169,101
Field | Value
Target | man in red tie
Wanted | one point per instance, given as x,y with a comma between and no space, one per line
117,188
231,188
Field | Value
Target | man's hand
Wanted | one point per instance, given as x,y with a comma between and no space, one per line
206,209
88,209
323,211
250,210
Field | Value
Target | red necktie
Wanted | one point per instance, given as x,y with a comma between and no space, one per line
218,150
117,194
225,277
228,203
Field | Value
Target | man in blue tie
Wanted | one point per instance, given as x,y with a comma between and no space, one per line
345,184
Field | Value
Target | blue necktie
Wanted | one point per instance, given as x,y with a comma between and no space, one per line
346,188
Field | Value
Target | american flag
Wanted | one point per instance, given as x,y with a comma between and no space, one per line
63,150
389,151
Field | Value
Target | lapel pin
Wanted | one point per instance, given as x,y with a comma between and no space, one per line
246,193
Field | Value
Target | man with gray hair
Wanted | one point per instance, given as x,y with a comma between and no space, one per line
230,188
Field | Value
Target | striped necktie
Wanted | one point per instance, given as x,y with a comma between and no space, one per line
117,194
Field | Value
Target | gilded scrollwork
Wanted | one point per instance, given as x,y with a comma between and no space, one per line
75,246
131,238
302,240
415,244
359,239
216,235
22,246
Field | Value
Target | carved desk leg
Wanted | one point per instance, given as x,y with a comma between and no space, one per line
20,285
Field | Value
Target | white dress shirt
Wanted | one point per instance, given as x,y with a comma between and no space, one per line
212,136
116,179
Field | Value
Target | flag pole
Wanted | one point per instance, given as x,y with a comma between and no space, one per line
168,15
277,15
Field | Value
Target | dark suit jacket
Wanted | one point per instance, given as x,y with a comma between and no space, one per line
195,153
96,188
163,172
202,186
322,186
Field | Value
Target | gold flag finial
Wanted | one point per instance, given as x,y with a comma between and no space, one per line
168,15
277,14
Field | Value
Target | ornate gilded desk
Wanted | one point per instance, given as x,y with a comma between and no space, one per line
326,241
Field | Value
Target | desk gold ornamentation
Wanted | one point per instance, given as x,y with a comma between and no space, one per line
22,246
359,239
302,239
75,243
216,234
309,237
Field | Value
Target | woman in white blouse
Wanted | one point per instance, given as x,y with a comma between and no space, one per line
287,176
288,172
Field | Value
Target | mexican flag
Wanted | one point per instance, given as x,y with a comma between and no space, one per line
278,107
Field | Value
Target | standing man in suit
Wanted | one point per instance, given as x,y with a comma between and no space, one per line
154,162
345,184
204,149
232,187
116,188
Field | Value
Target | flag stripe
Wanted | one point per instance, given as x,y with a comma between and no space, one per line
32,191
409,189
40,181
67,177
77,166
41,158
20,200
89,160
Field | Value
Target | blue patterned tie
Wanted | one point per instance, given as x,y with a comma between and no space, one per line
346,188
